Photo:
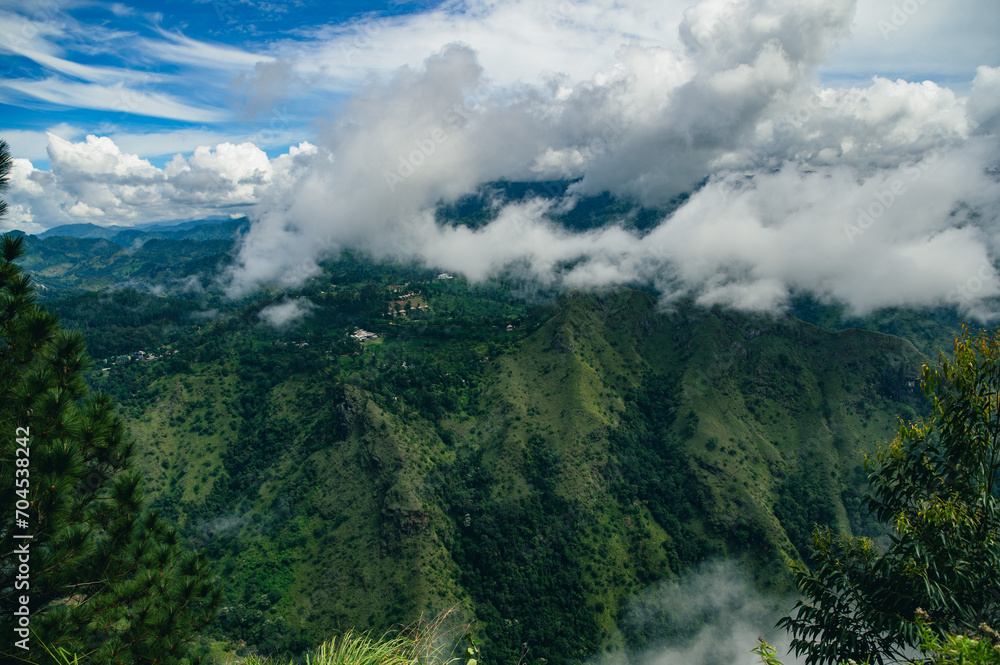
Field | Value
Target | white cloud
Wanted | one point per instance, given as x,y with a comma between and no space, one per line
286,312
984,103
712,614
81,209
518,40
27,144
19,218
527,40
823,231
33,145
177,49
116,97
790,168
874,193
94,180
236,163
96,156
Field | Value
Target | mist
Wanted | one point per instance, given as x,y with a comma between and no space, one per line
711,615
886,195
286,312
768,176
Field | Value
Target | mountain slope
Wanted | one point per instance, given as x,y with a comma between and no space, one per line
669,438
540,477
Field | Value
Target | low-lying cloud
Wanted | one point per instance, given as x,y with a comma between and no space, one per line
868,195
287,312
872,197
710,616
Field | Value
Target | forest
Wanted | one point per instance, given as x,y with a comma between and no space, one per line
534,460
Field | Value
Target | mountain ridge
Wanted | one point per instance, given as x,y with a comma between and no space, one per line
540,475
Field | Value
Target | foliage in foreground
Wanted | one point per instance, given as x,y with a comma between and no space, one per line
936,485
950,649
96,575
423,642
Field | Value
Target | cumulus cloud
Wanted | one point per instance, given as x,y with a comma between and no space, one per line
870,195
95,181
286,312
984,103
875,193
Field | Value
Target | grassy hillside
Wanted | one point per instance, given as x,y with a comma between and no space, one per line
175,260
540,477
537,466
653,441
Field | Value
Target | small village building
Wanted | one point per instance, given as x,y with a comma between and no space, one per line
363,335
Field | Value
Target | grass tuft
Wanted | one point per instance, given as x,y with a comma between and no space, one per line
424,642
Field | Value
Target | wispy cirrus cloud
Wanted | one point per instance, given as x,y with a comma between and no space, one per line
116,98
79,65
177,49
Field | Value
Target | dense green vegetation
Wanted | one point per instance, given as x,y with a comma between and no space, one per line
590,212
85,567
537,477
938,485
981,648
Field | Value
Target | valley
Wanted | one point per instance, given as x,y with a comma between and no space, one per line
535,459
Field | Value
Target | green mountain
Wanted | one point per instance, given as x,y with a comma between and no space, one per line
127,235
63,266
538,466
85,230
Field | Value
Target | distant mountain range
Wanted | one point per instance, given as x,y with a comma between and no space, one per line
473,210
203,229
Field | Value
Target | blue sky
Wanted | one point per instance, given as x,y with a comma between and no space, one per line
171,69
165,77
339,125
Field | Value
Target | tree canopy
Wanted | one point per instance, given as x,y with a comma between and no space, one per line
6,162
936,487
83,566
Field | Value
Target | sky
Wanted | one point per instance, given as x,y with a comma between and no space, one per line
845,149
